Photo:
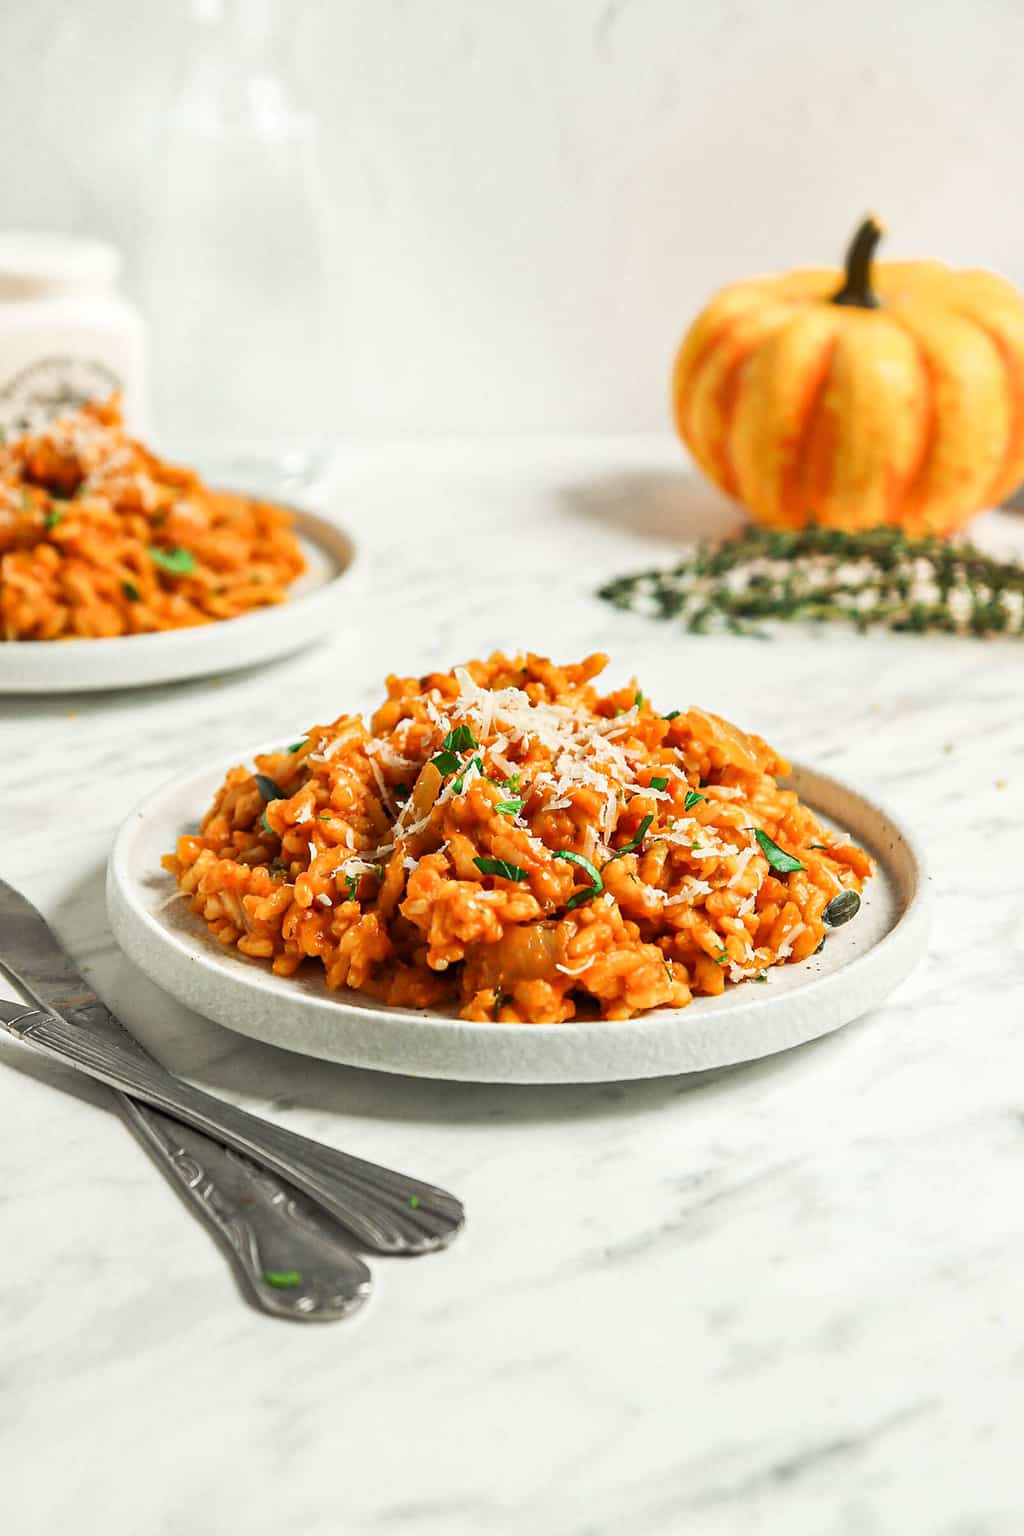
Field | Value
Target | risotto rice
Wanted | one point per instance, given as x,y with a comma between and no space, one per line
504,840
99,537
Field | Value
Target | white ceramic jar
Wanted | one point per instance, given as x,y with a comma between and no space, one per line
66,334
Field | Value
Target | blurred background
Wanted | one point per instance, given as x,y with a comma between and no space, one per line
521,207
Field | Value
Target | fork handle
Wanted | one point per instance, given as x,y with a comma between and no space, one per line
290,1256
385,1211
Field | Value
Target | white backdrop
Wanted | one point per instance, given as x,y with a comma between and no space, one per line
532,199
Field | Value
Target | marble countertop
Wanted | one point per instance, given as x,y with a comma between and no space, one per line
781,1298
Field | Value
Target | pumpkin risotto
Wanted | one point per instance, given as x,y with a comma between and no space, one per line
99,537
505,840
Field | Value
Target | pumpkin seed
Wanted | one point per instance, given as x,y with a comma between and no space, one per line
841,908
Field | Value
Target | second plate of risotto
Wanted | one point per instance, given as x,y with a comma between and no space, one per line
509,875
118,569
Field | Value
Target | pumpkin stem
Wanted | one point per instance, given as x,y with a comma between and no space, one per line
857,290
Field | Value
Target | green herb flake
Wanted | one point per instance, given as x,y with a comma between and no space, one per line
414,1202
177,561
283,1279
692,799
53,518
265,824
590,870
634,842
512,784
659,783
638,700
267,788
761,976
457,784
502,868
461,739
351,881
822,846
720,958
130,591
446,762
297,746
509,807
673,715
777,857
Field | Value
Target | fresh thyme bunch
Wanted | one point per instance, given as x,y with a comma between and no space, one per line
877,579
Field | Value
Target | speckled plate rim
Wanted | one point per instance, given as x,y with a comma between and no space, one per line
860,965
137,661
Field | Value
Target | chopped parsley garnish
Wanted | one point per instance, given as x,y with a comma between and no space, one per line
178,561
351,881
501,868
401,791
297,746
130,591
659,783
265,824
638,700
635,840
283,1279
720,958
823,846
673,714
692,799
761,976
590,870
841,908
512,783
461,739
476,762
446,762
777,857
267,788
509,807
54,517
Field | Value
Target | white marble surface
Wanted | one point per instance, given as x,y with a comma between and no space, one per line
784,1298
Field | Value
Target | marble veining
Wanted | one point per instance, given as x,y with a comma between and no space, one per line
780,1298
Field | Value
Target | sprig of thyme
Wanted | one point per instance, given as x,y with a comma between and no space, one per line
880,578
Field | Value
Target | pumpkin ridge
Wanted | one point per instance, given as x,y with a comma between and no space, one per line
1015,391
686,369
911,488
730,395
710,448
683,385
793,482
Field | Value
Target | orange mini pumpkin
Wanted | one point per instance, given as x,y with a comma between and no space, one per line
892,394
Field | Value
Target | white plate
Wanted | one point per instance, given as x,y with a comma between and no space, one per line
859,966
134,661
